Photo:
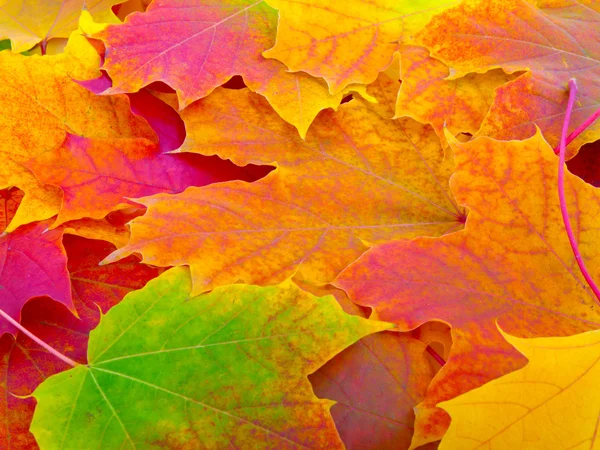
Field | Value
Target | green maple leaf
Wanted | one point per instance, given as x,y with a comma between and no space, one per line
225,369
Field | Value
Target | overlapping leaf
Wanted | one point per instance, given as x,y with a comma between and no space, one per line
196,46
554,402
586,165
256,344
32,263
130,6
358,42
98,288
229,368
28,22
25,364
113,231
96,176
357,180
98,229
554,39
162,117
376,384
429,97
39,90
385,91
513,263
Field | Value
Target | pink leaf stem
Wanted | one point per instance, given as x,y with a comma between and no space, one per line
561,191
38,340
580,129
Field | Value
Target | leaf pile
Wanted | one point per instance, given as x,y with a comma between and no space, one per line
297,224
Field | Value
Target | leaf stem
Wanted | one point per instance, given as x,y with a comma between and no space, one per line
580,129
561,190
435,356
28,333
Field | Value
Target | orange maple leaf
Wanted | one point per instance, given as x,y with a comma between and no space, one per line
513,262
546,38
357,180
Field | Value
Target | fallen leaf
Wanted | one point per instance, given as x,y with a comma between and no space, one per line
375,383
258,344
98,176
554,39
228,39
24,364
385,91
586,164
98,288
130,6
428,96
38,203
102,229
84,61
512,263
33,264
162,117
39,90
344,188
29,22
557,391
359,41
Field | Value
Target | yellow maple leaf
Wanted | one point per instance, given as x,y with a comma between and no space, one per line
359,41
28,22
552,403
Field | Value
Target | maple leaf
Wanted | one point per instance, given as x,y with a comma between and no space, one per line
98,288
546,37
376,383
38,203
97,175
358,42
30,253
351,171
27,23
262,342
557,390
103,229
83,56
24,365
428,96
512,262
39,90
345,187
227,39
